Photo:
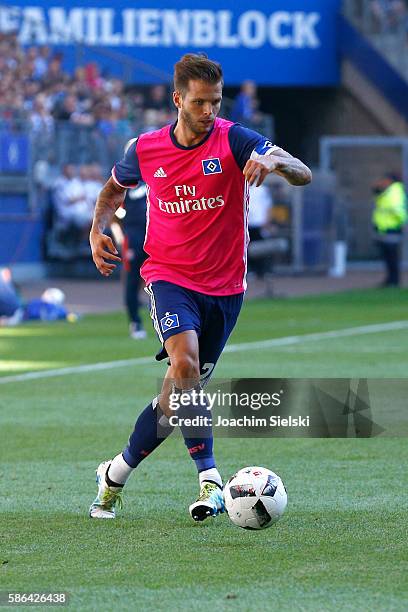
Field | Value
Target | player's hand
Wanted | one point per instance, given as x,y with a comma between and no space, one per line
103,249
256,172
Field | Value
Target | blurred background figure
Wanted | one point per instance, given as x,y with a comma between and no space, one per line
40,117
389,15
259,227
48,307
246,103
73,212
389,218
134,227
92,179
159,99
129,231
10,303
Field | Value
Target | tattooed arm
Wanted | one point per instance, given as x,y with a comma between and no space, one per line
109,200
279,162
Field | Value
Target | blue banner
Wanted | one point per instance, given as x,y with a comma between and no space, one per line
280,42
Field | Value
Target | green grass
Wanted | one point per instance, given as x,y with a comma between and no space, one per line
340,545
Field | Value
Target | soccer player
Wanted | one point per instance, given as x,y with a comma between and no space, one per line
197,173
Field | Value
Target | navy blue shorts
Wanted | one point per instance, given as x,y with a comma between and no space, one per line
175,309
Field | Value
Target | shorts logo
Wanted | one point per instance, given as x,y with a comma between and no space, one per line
169,321
212,166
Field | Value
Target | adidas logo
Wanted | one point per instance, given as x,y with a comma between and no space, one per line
160,172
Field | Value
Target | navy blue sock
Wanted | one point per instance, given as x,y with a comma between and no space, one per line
197,438
151,429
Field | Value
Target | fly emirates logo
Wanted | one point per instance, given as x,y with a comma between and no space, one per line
187,201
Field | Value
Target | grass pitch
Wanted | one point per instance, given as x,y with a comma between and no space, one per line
340,545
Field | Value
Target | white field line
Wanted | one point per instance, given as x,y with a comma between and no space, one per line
232,348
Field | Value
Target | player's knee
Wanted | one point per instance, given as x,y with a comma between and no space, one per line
186,368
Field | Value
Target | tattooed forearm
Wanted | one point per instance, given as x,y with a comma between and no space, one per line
293,170
282,163
109,200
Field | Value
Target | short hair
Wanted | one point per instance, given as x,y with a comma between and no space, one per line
196,67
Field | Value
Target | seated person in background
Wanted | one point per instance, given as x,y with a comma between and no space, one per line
73,215
91,176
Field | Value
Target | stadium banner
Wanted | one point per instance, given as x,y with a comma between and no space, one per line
292,408
280,42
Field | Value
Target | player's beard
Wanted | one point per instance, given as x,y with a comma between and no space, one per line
200,129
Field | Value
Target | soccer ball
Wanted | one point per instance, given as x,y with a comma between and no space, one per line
255,498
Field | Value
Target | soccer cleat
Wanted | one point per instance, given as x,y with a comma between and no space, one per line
103,505
209,503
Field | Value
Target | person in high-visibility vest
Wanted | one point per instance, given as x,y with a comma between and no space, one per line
389,217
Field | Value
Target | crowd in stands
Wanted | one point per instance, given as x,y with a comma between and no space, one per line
380,16
79,124
75,120
35,88
385,24
390,15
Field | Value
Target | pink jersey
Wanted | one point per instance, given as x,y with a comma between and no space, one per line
197,206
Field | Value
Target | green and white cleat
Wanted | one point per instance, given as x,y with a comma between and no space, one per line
209,503
104,504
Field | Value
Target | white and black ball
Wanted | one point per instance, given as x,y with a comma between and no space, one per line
255,498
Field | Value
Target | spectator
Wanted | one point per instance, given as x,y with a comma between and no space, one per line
245,104
151,120
41,62
73,215
41,120
136,106
93,181
115,91
30,91
54,74
123,126
66,110
92,76
158,98
259,226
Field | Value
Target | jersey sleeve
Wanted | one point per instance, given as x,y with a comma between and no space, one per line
126,173
244,141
